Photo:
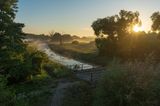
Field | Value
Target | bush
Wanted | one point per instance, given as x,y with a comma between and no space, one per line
6,96
75,42
79,94
130,47
25,66
57,70
37,92
129,84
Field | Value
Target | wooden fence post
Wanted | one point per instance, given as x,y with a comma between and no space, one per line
91,76
82,67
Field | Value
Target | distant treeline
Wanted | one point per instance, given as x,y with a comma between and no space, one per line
58,37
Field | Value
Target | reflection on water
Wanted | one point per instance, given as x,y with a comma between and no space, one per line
70,63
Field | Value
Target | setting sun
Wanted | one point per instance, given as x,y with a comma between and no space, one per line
138,28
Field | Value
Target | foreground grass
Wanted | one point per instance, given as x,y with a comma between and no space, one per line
129,84
39,90
78,94
36,92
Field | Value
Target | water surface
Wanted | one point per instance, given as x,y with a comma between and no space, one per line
70,63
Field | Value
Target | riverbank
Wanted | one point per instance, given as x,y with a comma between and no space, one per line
38,90
85,52
57,57
64,88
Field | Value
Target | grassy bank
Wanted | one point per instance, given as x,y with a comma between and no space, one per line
85,52
39,90
36,90
129,84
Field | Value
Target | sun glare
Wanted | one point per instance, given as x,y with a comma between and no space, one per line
138,28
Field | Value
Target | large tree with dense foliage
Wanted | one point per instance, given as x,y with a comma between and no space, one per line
12,47
117,25
57,37
10,32
116,28
116,38
16,63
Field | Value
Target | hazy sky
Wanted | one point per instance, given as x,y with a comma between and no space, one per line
76,16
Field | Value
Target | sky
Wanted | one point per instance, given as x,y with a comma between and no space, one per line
76,16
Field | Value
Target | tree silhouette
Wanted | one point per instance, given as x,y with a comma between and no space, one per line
125,22
115,28
15,60
10,33
156,21
67,37
57,37
117,25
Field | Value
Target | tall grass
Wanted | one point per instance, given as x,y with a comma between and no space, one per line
130,84
78,94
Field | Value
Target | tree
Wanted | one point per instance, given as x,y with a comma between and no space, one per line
156,21
115,28
51,33
105,26
9,39
15,61
57,37
10,34
67,37
116,25
126,21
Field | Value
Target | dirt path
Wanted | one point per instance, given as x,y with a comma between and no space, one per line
63,84
59,92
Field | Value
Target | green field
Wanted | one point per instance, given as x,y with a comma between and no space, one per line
81,47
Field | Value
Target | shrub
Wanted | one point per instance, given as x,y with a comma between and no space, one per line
75,42
131,46
25,66
129,84
6,96
37,59
57,70
37,92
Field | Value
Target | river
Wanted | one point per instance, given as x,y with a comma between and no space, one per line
70,63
